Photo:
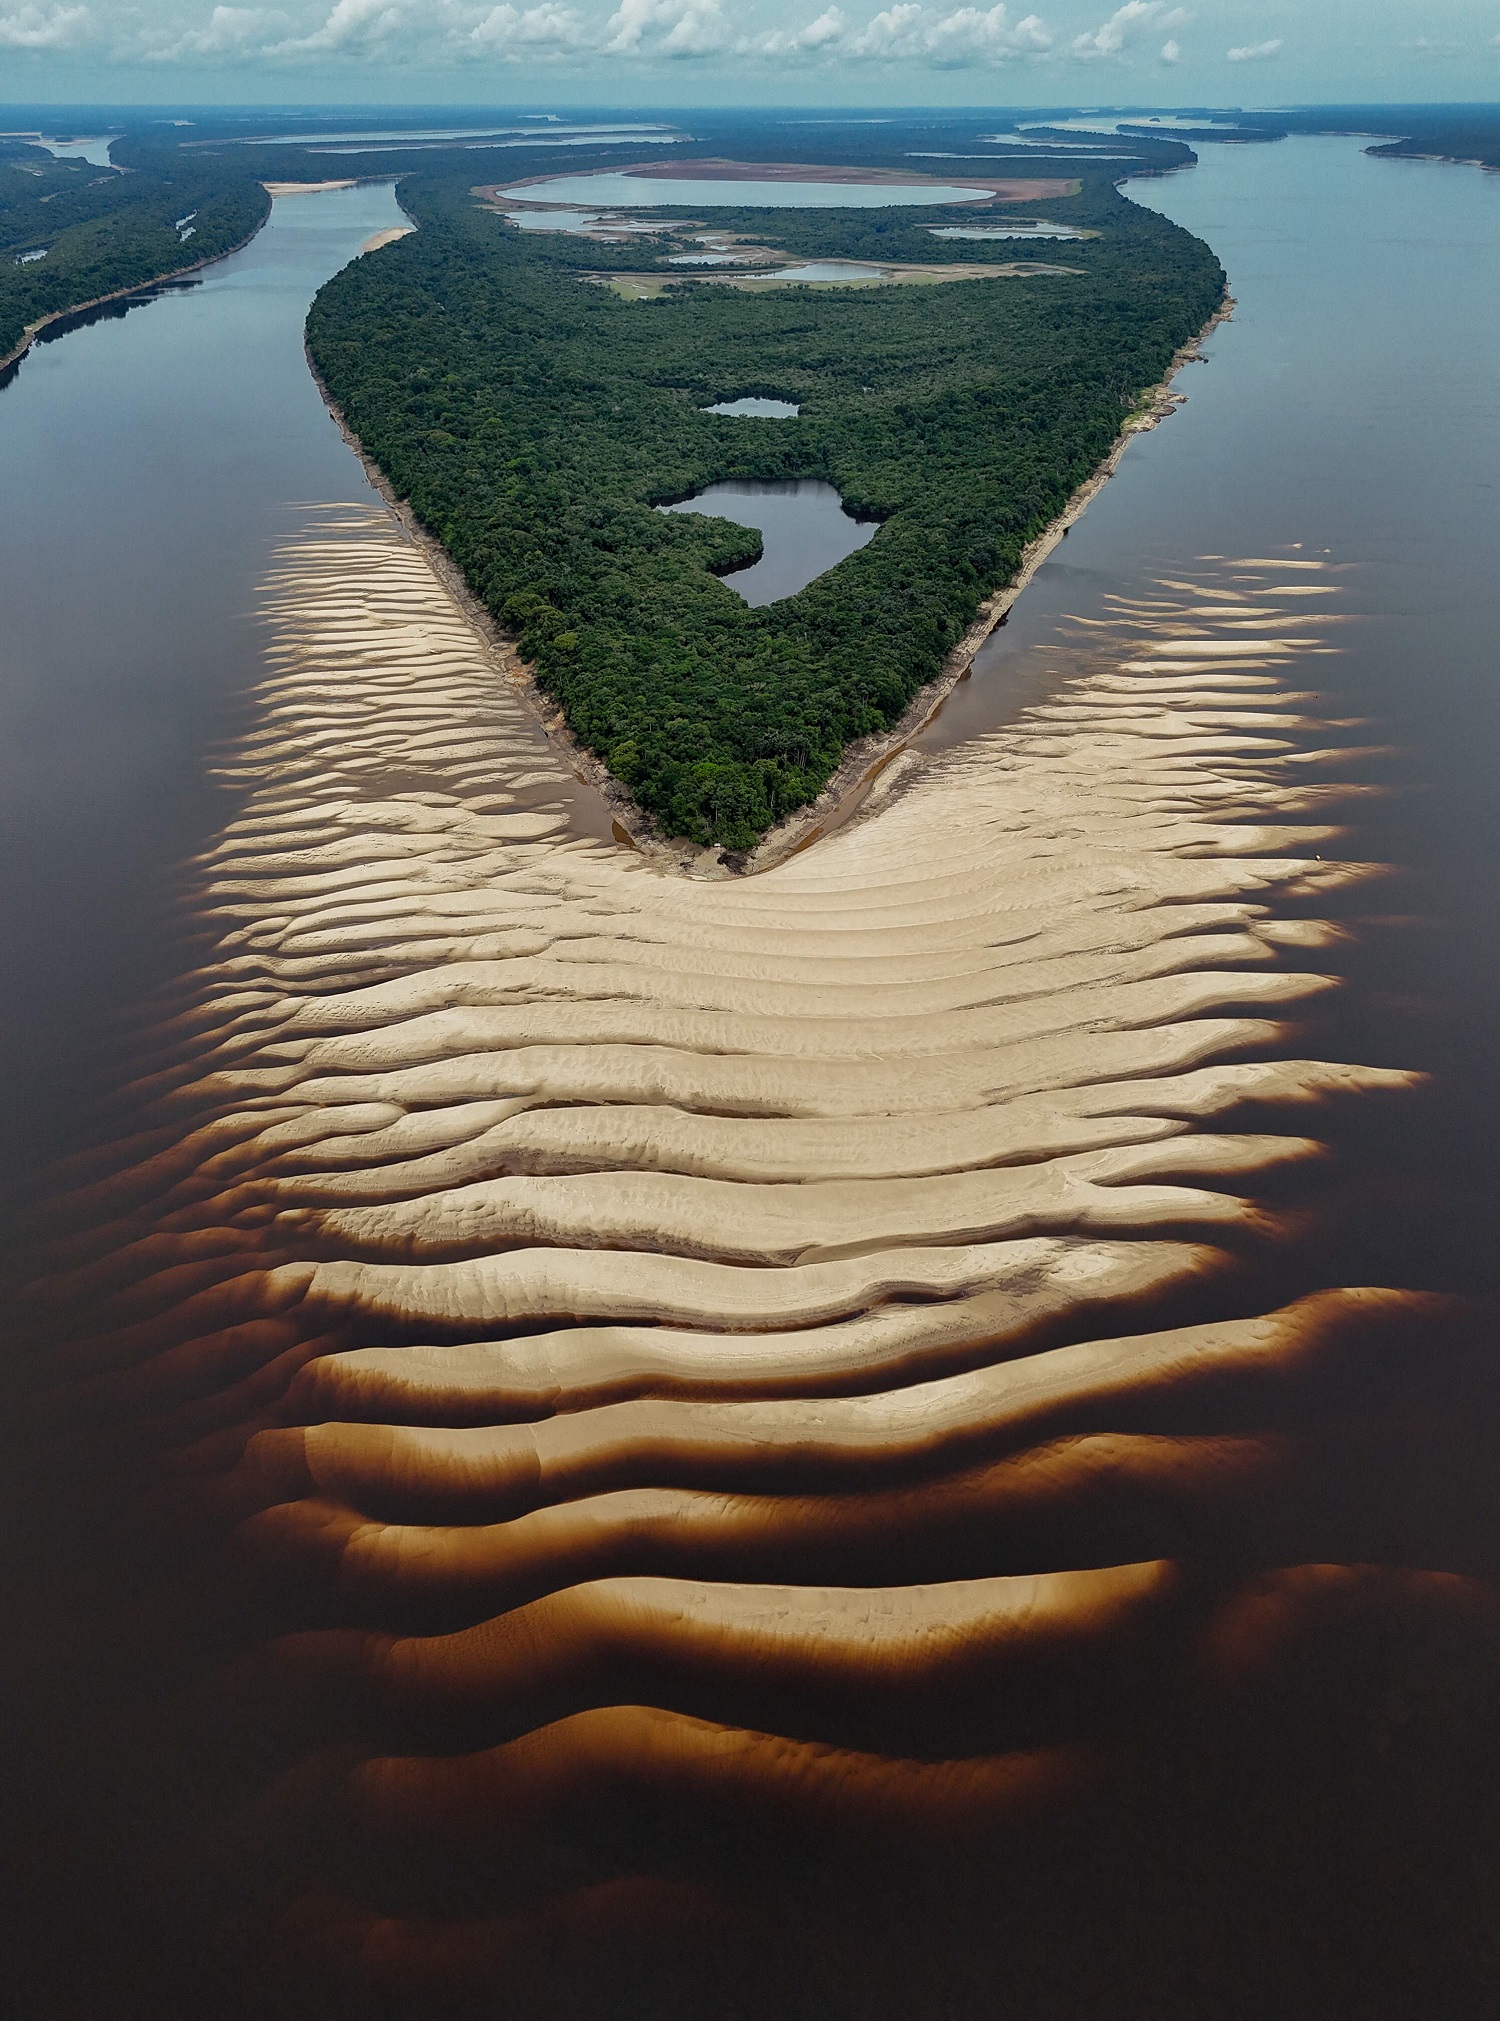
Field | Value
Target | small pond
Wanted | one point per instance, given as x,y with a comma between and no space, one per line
802,522
764,410
706,260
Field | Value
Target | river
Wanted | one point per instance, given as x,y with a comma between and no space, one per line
1348,411
153,460
161,465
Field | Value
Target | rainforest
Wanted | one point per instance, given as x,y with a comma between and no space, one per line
532,419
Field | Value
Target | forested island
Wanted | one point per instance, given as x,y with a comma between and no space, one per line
72,232
534,420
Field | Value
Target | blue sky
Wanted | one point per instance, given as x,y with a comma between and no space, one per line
783,52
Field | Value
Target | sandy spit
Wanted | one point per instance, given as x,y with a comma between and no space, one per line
305,188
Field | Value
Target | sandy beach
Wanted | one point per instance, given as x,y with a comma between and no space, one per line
590,1281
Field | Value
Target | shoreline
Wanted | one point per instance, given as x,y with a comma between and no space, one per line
33,331
864,760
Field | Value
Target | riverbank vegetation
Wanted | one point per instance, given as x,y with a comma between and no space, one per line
99,230
533,421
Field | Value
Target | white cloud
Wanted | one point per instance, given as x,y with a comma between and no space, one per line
1256,52
231,31
540,31
31,28
357,26
700,30
909,32
1171,52
1125,24
692,28
821,34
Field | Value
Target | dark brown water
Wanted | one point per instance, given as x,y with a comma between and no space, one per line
1346,415
152,461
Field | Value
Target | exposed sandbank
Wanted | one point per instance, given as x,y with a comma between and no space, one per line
576,1288
388,237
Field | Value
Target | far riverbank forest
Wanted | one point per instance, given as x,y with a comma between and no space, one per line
533,419
72,231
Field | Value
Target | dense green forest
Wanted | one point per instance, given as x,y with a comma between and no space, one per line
533,420
103,229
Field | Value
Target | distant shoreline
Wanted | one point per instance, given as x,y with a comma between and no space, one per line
33,331
864,759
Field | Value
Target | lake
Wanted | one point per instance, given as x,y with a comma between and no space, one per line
802,521
622,189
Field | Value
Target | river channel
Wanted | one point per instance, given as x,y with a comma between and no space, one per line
1339,441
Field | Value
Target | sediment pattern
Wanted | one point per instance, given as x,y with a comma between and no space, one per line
744,1402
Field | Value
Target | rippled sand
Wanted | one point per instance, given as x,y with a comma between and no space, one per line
758,1412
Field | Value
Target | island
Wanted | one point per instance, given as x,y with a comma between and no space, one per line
532,422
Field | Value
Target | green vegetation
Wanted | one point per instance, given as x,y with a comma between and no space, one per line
533,420
1452,132
106,229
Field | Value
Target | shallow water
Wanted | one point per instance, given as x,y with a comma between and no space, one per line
167,443
824,271
619,188
803,523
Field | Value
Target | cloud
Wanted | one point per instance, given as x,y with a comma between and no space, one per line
355,26
821,34
231,31
547,30
911,33
1256,52
1124,24
692,28
427,34
1171,52
31,28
